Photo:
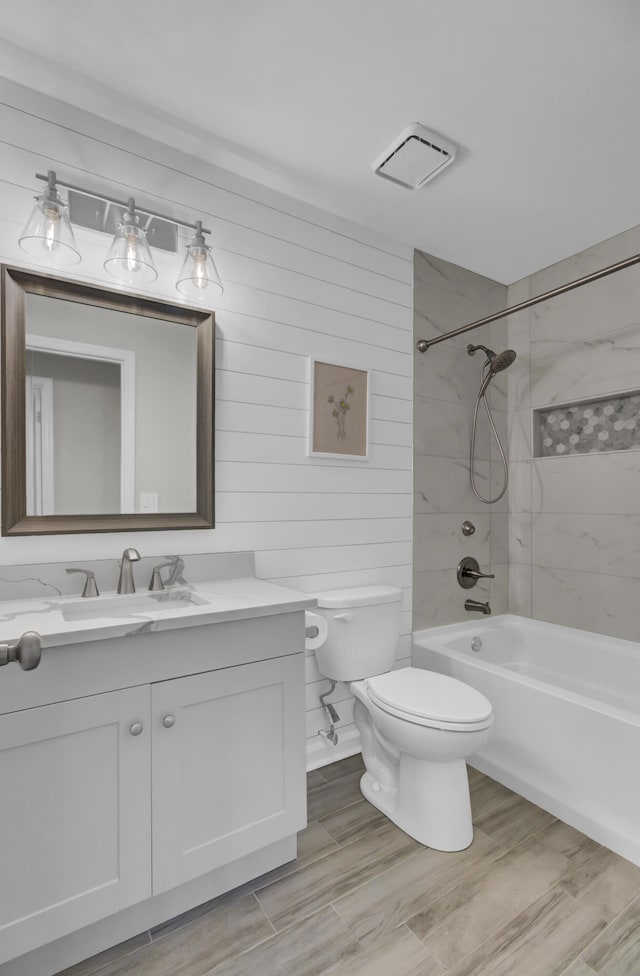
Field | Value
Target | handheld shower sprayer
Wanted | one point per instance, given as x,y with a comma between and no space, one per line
494,363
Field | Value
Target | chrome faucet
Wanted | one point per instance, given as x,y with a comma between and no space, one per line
477,605
125,582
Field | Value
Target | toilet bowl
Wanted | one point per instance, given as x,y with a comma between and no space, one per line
417,727
421,752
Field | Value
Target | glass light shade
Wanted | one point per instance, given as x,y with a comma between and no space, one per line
129,258
48,236
199,278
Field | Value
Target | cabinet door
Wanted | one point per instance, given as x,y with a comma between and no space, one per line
229,772
74,817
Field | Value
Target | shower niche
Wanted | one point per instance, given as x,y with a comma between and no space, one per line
590,426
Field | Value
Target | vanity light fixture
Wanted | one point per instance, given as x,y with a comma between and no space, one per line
198,271
129,258
48,238
48,235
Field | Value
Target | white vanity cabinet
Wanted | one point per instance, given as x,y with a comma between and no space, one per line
74,837
112,799
224,763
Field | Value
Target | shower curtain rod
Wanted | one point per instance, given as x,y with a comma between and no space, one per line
424,344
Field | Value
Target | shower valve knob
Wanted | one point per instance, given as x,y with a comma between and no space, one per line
469,572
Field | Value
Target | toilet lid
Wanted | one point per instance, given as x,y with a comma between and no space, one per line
359,596
428,696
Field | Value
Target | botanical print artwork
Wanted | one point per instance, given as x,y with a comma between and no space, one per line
591,427
339,411
339,422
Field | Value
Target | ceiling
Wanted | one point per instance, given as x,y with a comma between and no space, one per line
302,95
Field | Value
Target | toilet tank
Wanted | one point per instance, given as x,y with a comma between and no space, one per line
363,630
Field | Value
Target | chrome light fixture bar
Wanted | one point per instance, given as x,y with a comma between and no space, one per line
48,237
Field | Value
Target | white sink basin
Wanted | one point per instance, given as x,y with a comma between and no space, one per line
113,606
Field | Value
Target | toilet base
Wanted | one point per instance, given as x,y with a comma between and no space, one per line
430,803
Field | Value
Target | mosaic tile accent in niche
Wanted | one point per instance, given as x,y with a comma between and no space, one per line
611,424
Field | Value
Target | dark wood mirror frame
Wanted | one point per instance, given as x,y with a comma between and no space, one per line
16,284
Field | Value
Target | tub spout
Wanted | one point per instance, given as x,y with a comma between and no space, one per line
477,605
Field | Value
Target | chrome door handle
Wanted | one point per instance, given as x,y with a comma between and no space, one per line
169,721
27,651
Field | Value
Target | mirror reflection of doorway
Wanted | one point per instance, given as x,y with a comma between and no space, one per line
80,410
39,437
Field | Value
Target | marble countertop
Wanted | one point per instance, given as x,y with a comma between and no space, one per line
216,601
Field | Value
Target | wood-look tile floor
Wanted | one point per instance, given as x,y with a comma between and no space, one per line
530,897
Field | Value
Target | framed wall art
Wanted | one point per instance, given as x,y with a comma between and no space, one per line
339,411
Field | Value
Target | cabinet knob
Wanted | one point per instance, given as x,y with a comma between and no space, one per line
136,728
169,721
27,651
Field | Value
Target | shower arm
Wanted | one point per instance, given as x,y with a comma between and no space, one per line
423,344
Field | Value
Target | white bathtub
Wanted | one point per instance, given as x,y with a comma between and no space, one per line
567,717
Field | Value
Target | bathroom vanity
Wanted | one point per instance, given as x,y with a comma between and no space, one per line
153,760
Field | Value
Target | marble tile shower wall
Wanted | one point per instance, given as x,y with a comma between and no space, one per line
574,532
446,382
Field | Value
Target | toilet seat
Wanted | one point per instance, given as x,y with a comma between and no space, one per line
430,699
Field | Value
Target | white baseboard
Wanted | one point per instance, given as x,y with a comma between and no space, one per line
320,752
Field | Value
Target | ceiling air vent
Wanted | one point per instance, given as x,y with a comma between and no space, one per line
415,157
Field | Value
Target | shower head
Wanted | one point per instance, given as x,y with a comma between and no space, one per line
502,361
496,362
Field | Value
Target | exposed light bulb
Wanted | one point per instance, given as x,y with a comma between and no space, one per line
48,236
131,255
200,276
198,270
52,223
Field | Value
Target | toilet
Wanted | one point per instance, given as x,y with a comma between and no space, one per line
417,727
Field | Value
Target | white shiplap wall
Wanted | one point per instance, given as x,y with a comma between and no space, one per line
298,283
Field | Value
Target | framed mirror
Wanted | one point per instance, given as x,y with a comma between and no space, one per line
107,410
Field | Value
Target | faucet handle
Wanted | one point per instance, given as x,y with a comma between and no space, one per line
157,583
90,586
468,572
